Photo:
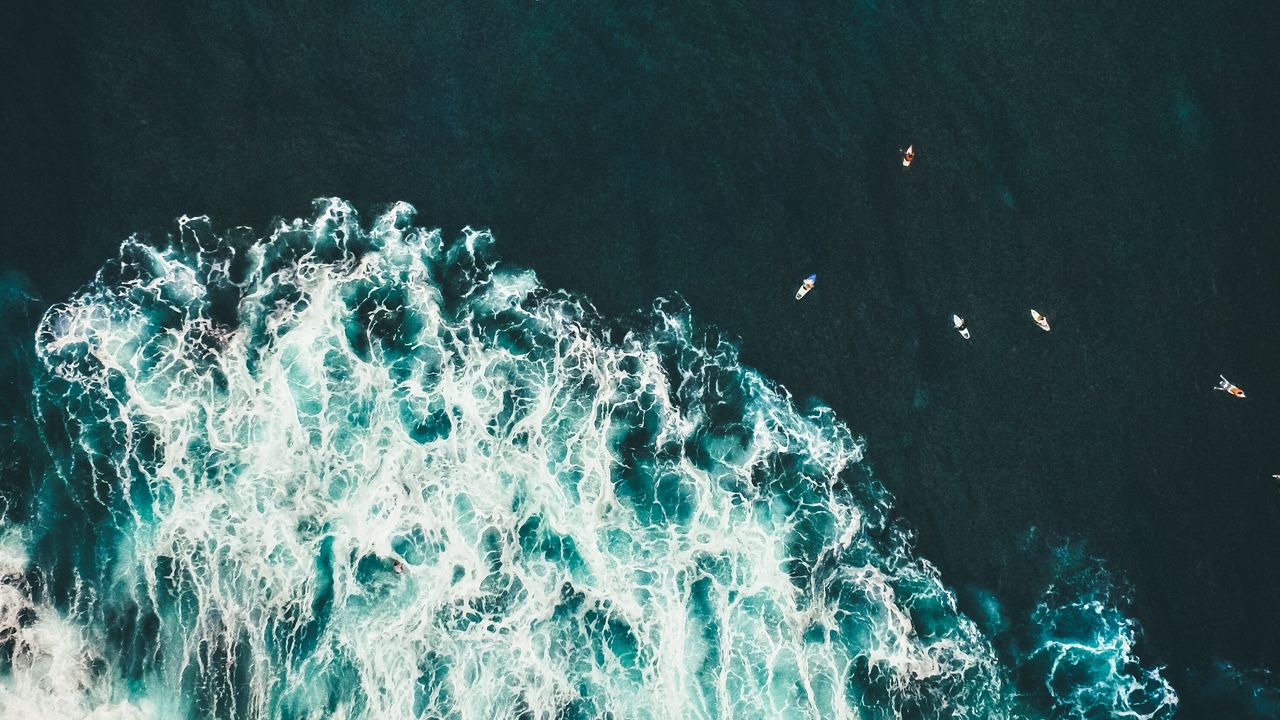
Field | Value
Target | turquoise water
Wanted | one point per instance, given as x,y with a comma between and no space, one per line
367,471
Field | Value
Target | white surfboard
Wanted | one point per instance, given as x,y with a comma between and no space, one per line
806,286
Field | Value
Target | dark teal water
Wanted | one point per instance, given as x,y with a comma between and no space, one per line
1113,167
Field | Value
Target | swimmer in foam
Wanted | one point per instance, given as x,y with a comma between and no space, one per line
1228,387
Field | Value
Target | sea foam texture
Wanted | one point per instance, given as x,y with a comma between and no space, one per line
348,472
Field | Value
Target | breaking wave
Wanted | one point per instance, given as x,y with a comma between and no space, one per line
360,472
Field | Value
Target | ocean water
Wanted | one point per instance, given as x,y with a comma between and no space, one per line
1112,165
354,470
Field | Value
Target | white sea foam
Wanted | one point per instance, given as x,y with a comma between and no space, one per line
348,473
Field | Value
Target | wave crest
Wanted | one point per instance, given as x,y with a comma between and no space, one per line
345,472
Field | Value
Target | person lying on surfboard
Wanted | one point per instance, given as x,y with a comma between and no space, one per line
1228,387
806,286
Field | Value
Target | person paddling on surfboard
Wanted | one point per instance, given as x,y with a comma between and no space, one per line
1227,386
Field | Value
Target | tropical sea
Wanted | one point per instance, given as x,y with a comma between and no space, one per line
425,361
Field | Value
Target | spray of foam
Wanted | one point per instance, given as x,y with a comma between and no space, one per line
1082,644
348,472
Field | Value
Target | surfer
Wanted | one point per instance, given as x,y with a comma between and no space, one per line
908,156
1041,320
959,323
806,286
1228,387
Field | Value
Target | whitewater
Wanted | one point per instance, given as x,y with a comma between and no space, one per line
354,470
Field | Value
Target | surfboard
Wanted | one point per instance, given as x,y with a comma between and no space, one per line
806,286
